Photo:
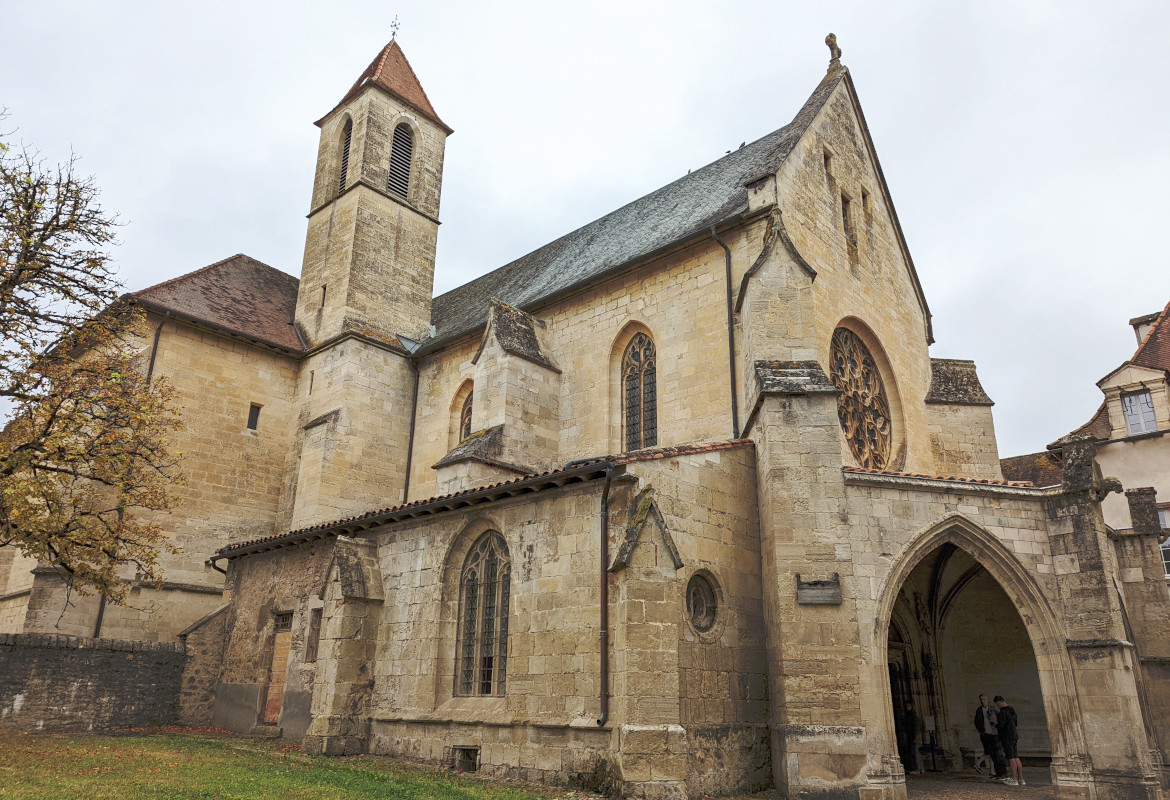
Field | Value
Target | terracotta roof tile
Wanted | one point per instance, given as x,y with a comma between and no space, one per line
1039,469
391,71
1154,351
239,294
956,479
649,454
1098,427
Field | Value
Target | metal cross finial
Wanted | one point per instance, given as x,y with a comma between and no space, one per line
394,26
834,52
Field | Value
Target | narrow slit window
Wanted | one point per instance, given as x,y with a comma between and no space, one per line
828,164
312,377
1139,412
847,223
346,136
865,203
324,287
401,151
640,393
253,416
313,638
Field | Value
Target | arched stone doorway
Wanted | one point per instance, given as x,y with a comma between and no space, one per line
955,634
974,575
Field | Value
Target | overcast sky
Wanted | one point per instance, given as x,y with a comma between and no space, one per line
1024,143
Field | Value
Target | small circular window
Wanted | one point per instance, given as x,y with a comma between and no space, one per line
701,603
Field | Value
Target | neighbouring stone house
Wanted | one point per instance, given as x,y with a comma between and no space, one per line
1129,428
677,504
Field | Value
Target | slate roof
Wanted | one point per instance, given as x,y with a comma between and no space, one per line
692,204
391,72
1039,469
241,294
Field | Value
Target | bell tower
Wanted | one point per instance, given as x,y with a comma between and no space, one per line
366,280
370,250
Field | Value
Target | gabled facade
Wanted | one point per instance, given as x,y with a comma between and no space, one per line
677,504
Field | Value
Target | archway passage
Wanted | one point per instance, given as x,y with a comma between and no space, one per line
955,634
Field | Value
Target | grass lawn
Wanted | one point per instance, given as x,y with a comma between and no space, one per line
177,766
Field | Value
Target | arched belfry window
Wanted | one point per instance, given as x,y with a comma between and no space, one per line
401,151
640,393
465,417
345,139
862,406
482,655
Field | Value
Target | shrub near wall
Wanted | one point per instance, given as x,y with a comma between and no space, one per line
52,683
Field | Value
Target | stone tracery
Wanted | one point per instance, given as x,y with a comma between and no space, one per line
862,406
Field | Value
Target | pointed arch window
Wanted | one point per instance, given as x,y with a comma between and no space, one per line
484,589
465,417
640,393
345,140
401,151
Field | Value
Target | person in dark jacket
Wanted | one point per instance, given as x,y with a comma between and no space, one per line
1009,736
908,744
987,723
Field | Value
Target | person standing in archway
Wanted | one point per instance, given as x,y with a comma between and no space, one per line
1009,737
987,723
908,746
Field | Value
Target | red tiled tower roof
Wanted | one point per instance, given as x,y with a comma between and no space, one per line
391,72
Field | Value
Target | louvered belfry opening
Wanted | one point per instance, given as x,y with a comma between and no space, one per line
341,180
640,393
483,624
400,153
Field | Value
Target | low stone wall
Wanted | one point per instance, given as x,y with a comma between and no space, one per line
53,683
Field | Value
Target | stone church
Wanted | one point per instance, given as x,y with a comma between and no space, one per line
677,504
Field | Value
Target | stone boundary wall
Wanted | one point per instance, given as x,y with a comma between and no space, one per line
50,682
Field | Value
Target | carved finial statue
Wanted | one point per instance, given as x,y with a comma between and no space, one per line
394,26
834,52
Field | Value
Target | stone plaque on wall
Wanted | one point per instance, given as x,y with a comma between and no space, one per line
819,593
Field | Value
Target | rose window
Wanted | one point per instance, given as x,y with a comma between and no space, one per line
862,406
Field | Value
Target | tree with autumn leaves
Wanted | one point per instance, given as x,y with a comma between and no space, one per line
84,450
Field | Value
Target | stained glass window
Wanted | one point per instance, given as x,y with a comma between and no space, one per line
482,652
862,406
640,393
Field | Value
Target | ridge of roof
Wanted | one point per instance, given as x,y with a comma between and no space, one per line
391,71
952,478
685,207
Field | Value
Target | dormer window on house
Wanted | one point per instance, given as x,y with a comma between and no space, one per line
341,180
401,151
1139,413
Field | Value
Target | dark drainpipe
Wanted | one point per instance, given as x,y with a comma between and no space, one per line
410,443
604,637
730,334
150,369
101,612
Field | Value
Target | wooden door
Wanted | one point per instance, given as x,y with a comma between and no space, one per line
278,669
